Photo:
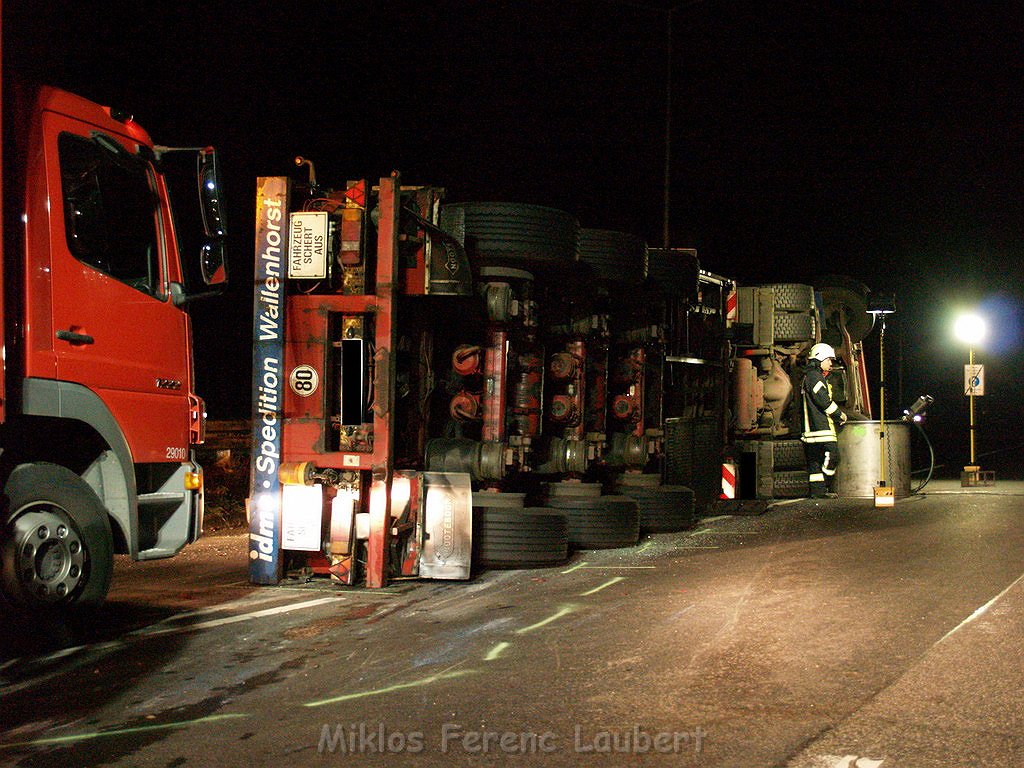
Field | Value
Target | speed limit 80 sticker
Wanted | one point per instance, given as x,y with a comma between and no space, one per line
303,380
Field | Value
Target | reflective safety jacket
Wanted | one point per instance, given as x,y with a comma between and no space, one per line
819,407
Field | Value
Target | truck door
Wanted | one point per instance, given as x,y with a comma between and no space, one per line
116,330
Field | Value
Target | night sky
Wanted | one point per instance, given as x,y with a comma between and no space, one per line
877,140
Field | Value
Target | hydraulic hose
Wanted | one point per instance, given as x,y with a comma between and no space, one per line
931,459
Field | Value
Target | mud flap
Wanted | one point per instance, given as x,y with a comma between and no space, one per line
447,526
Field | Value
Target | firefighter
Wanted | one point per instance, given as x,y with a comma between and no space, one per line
821,414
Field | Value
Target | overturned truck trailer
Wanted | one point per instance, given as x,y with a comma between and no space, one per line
441,387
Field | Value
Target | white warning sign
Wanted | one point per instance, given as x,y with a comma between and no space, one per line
307,245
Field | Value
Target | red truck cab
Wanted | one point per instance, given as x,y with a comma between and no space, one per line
99,413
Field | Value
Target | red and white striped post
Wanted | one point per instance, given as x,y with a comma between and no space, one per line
728,480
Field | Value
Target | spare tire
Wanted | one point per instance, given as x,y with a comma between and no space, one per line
513,234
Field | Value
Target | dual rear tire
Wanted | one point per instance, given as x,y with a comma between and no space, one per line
529,537
532,537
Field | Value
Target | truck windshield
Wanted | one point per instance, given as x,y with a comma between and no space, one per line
110,212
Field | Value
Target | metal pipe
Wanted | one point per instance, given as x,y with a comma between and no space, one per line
578,349
495,378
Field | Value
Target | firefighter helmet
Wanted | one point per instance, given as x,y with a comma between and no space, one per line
822,352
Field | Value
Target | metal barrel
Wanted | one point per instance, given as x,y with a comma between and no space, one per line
860,462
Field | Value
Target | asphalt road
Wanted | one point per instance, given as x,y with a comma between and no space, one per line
826,634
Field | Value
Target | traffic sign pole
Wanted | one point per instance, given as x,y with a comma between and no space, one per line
971,398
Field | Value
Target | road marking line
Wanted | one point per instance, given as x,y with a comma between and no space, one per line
727,533
563,611
220,607
157,629
496,651
391,688
981,611
622,567
607,584
121,731
575,567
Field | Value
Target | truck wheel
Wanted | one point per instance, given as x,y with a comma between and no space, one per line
665,509
637,480
533,537
794,326
499,500
793,297
617,256
570,490
788,454
57,549
605,522
515,234
790,485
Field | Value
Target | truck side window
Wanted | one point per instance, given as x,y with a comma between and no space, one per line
110,212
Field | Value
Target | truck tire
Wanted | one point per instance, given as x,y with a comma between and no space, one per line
794,326
57,547
519,538
617,256
570,490
607,522
499,500
790,485
675,272
792,297
788,454
665,509
516,234
637,480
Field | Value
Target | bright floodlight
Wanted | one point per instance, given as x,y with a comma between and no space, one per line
970,329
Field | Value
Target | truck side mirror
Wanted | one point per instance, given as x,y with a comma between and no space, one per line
212,262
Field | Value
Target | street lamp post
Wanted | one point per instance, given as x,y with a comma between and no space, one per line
971,329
